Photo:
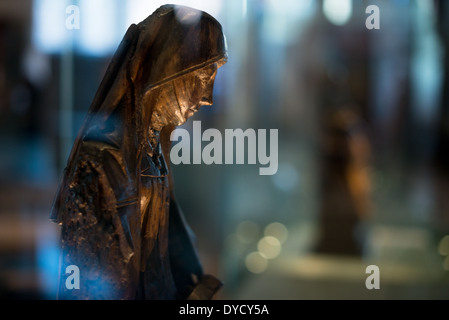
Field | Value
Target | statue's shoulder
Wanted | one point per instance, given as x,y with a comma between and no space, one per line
103,157
97,148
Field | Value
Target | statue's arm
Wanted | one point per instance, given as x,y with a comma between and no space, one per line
186,266
94,237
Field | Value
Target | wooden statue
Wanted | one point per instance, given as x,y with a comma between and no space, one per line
120,222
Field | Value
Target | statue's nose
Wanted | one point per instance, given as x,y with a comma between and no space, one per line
207,97
207,100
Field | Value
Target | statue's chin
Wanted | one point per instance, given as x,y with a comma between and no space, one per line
189,113
178,122
183,120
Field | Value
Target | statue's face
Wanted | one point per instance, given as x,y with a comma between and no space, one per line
182,97
194,90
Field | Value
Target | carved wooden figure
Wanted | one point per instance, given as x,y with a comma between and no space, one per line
120,222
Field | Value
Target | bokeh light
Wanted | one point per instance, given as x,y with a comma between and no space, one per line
247,231
269,247
443,247
256,263
337,12
277,230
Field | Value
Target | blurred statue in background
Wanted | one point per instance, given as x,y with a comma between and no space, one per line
121,225
345,184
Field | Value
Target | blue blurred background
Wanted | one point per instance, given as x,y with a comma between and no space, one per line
363,123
